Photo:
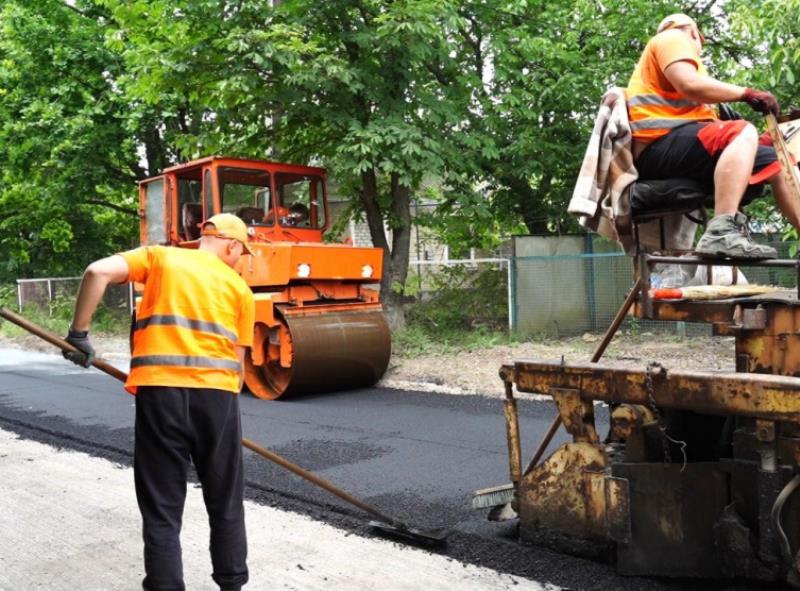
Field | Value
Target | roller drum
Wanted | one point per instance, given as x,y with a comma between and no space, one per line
331,351
338,351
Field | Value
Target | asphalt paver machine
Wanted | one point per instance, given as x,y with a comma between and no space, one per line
699,472
319,320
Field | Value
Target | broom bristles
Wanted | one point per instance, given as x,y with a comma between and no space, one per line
712,292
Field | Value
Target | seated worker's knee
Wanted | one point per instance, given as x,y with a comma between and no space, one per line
749,134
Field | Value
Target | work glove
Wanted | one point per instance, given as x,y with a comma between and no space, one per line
85,352
762,101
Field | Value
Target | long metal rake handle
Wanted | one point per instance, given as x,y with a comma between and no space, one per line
784,157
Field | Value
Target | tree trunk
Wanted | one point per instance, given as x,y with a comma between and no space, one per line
369,199
397,273
154,152
395,260
528,202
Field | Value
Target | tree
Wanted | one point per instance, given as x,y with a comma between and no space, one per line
60,139
73,139
769,52
358,85
484,104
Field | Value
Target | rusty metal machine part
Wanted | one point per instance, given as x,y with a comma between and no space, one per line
698,476
329,351
628,419
699,473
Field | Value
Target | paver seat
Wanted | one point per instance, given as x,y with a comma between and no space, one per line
654,199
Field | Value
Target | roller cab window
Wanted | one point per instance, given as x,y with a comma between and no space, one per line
153,198
245,193
190,205
299,202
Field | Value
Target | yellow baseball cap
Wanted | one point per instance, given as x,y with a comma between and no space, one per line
678,20
227,225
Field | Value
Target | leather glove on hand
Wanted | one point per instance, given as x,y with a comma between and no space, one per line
85,352
762,101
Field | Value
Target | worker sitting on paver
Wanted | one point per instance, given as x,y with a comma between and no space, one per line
195,321
676,134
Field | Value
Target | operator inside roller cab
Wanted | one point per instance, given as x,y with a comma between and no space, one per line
676,133
294,215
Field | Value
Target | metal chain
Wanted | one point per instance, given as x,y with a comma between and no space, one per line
651,398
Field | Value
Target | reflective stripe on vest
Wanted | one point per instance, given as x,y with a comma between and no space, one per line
651,115
658,100
184,361
183,322
659,123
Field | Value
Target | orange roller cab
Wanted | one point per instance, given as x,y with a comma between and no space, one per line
319,321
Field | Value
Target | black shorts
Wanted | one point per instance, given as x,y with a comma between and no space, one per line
692,151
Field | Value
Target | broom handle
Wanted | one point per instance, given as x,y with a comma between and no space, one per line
784,157
59,342
320,482
265,453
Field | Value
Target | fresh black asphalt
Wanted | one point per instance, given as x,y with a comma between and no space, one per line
417,456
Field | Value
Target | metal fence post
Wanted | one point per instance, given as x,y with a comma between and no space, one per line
512,300
50,296
19,295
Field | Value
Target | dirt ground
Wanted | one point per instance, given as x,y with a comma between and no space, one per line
476,371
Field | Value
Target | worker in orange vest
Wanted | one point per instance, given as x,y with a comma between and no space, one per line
677,134
193,326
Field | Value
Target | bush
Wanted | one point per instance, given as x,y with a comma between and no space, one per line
459,308
462,298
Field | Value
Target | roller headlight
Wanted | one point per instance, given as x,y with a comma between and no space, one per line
366,271
303,270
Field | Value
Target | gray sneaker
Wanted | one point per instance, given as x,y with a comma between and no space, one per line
728,235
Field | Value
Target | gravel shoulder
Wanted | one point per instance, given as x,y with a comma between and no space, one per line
475,371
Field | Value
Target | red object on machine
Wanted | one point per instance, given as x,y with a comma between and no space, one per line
666,293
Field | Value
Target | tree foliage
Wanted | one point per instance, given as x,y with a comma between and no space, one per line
64,148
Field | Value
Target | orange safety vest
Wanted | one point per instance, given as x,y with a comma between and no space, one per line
194,312
654,106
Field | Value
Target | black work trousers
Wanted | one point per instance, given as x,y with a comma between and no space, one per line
174,426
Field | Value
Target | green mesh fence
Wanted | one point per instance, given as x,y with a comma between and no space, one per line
570,294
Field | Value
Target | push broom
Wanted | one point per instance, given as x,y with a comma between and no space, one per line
385,523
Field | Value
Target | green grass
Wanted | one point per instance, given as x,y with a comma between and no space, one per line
416,340
57,316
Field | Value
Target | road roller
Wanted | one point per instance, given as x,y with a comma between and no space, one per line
319,321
